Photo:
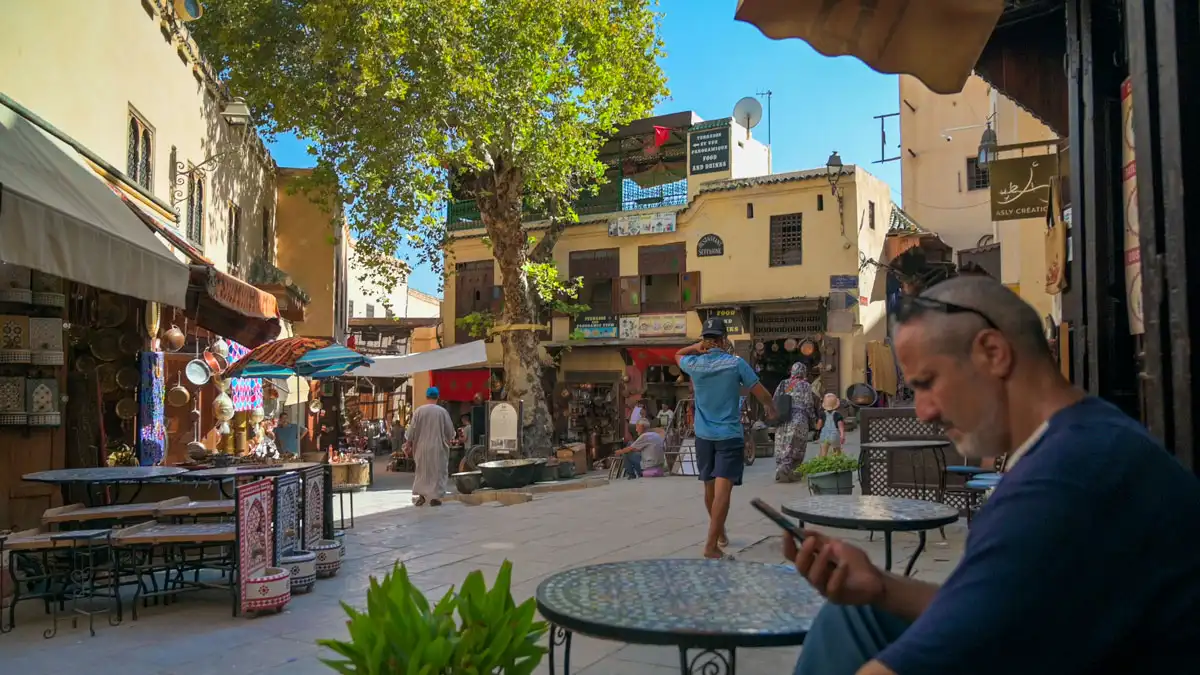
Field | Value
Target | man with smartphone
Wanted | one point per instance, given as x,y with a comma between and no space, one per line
1079,564
718,378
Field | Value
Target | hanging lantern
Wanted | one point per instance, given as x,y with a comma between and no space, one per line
223,408
257,415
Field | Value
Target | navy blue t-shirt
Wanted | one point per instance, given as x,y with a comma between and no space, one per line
1084,561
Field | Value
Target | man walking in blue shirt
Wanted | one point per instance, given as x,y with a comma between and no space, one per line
718,378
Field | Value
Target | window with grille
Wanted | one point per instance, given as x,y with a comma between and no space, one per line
978,177
195,213
235,235
778,324
370,311
820,202
787,239
268,235
871,215
139,161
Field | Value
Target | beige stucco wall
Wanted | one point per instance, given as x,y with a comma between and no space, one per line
743,273
308,247
400,299
934,175
84,68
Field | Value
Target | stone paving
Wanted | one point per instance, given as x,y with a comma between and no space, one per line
620,521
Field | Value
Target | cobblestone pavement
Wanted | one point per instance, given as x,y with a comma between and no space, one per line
620,521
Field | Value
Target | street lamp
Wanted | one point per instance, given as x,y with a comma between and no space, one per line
988,147
833,170
236,112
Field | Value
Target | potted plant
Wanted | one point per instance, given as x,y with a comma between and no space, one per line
832,475
473,630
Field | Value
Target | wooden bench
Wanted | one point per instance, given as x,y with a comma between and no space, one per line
78,513
61,567
213,507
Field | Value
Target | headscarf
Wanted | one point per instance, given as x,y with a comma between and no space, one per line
798,387
799,376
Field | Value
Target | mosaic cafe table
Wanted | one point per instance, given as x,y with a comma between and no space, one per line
709,606
875,514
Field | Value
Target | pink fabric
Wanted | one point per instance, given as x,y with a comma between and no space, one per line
656,472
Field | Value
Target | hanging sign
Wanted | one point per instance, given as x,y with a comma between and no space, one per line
1020,186
645,223
708,151
710,245
734,323
662,325
1129,190
843,282
597,326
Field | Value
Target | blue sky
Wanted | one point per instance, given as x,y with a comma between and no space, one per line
819,104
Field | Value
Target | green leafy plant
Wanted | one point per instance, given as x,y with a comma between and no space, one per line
477,324
835,462
401,634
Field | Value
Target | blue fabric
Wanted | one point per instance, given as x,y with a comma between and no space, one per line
718,378
1089,529
633,464
982,484
967,470
287,437
331,361
721,459
843,638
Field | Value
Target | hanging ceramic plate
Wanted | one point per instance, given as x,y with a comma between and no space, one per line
110,311
106,344
760,347
128,378
790,344
808,347
107,374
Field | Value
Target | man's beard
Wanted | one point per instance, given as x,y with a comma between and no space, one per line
987,439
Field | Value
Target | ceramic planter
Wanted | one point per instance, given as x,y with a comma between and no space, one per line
269,592
340,538
329,557
831,483
302,565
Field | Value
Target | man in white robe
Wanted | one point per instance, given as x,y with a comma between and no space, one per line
428,440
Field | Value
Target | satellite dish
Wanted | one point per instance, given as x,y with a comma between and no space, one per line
748,112
188,10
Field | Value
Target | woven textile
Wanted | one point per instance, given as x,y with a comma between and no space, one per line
247,394
152,435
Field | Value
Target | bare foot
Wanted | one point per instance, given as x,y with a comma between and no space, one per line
714,555
723,540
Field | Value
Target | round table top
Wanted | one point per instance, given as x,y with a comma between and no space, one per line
870,512
249,471
699,603
103,474
903,445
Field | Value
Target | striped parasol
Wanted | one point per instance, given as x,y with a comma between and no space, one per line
304,356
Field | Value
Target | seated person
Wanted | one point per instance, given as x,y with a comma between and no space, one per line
647,456
1079,564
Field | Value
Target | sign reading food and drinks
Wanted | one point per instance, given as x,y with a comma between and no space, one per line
732,317
1020,186
708,150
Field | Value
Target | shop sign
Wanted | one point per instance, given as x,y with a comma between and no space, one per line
597,326
503,427
843,282
662,325
708,151
734,323
1020,186
710,245
628,327
644,223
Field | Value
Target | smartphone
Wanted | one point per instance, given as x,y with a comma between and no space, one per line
779,519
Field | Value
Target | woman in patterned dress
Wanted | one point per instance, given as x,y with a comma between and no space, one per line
791,437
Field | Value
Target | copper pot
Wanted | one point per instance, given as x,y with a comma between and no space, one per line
173,339
215,363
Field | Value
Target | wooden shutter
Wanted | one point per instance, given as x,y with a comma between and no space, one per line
664,259
629,295
496,301
689,284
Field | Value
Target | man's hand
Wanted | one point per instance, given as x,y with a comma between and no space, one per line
840,572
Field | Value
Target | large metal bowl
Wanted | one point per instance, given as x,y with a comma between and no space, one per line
509,473
467,481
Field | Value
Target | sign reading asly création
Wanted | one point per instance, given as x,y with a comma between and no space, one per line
1021,186
708,151
709,245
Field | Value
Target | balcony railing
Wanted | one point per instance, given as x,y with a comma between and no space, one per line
464,214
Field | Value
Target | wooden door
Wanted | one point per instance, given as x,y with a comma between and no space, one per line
689,285
629,295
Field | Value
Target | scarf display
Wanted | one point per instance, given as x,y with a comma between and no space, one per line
152,434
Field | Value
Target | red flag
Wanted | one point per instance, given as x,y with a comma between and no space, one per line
661,136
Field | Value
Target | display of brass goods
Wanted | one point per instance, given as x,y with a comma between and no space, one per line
106,344
221,349
215,363
197,372
127,408
152,318
128,378
107,374
111,311
178,396
123,455
173,339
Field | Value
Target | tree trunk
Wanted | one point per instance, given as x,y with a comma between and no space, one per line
499,203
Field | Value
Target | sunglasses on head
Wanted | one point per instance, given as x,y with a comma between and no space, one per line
912,306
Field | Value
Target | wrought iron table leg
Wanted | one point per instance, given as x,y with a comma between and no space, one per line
560,636
887,550
913,560
708,662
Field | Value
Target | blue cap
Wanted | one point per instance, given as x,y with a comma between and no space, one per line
432,392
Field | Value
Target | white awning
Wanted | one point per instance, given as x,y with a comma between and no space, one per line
468,354
56,216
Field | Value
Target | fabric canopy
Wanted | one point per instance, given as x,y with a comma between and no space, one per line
461,385
468,354
653,356
936,41
58,218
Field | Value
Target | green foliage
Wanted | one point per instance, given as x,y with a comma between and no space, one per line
477,324
555,294
834,462
401,634
398,97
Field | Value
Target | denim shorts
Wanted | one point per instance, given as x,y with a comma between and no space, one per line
721,459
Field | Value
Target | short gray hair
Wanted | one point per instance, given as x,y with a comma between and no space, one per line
987,301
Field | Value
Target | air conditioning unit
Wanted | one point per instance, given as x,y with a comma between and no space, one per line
189,10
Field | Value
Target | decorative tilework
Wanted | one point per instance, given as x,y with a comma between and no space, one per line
46,334
314,506
41,395
14,332
12,394
287,515
685,597
255,509
868,510
14,276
